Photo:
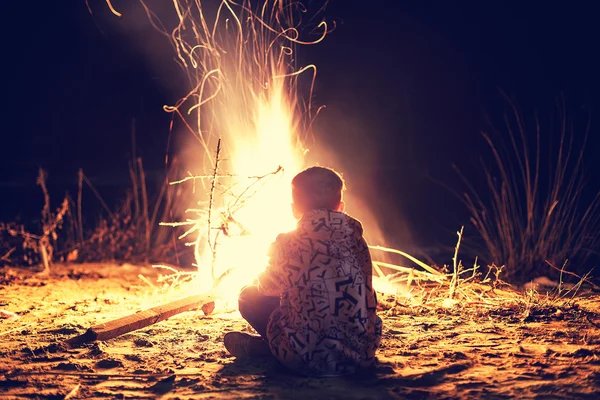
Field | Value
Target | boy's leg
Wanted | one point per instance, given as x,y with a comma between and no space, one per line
256,308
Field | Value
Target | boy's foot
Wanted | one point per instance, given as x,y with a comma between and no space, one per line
242,345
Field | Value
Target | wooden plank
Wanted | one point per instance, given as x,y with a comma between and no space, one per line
129,323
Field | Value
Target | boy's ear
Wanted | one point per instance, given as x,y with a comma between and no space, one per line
341,207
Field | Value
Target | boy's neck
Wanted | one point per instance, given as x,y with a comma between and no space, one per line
316,210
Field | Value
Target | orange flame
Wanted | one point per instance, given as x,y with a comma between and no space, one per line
244,99
244,109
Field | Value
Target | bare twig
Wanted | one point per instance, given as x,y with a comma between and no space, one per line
6,255
200,177
456,265
241,198
213,246
581,278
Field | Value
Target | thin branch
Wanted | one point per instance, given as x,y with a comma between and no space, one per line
213,246
456,264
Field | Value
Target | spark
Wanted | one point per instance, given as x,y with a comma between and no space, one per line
238,60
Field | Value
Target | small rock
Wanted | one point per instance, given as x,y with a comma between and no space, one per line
208,308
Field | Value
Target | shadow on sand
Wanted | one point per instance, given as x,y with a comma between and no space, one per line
268,377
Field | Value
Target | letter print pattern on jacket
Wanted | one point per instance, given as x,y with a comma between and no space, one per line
326,323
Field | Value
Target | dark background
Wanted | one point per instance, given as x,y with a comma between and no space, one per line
408,86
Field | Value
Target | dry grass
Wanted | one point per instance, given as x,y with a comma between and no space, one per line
129,233
526,220
467,290
16,243
132,232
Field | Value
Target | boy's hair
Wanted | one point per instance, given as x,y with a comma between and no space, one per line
317,187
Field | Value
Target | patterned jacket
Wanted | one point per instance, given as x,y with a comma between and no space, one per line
326,324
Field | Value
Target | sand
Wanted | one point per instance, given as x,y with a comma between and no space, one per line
548,349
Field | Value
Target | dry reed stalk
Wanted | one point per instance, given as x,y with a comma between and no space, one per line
79,205
133,171
420,263
417,274
524,224
98,196
125,236
170,194
133,175
142,177
50,224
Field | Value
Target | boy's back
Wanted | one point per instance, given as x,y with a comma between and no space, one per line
326,323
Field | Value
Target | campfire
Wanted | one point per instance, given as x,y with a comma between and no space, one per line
252,127
244,110
246,118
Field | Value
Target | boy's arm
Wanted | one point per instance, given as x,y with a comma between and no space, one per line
270,281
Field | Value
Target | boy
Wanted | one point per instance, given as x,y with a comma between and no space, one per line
314,306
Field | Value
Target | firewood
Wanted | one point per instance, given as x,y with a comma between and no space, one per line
142,319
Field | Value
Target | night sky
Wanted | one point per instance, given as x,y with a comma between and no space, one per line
411,82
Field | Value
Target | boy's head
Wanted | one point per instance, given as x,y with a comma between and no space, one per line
317,187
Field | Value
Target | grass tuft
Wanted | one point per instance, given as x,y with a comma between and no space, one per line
536,216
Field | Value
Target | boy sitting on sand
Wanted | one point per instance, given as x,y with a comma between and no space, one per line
314,306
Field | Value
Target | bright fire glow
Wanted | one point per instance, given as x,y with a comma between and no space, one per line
244,109
239,60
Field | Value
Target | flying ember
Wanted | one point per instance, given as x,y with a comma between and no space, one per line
251,120
244,110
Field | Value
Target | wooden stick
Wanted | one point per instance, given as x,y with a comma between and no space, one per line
117,327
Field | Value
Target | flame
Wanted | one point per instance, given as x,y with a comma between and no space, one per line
243,108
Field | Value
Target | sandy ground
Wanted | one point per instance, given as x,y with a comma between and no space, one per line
426,352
